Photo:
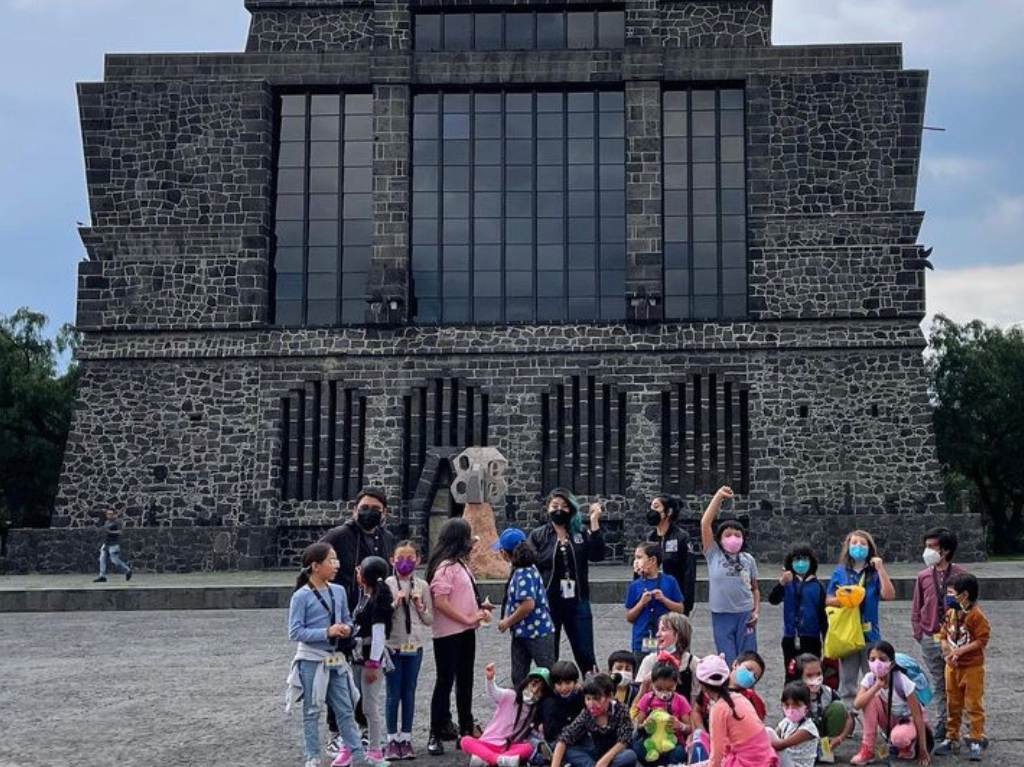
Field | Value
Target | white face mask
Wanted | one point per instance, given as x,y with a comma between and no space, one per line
814,683
931,557
528,698
625,677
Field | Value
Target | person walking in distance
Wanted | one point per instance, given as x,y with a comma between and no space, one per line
112,548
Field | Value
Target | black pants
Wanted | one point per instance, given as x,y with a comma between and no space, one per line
810,645
574,617
454,656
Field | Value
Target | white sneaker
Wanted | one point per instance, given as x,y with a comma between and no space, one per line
313,761
334,744
508,761
476,761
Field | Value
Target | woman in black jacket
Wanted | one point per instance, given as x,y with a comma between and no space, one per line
564,549
678,561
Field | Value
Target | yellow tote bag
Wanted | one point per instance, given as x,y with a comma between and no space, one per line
845,632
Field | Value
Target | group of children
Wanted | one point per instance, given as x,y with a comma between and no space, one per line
657,704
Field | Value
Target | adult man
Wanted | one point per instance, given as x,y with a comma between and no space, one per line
112,548
359,537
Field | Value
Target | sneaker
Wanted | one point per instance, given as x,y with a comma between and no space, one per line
942,748
313,761
504,761
448,731
405,750
374,755
974,755
128,575
476,761
434,745
373,758
334,744
100,579
393,750
344,757
863,756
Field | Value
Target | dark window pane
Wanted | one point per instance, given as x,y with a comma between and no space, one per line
581,177
324,206
675,150
359,127
613,203
734,280
325,105
581,151
456,178
487,179
674,124
358,153
518,230
549,230
428,311
550,205
293,104
550,102
732,123
325,128
734,305
613,177
703,123
323,154
292,180
289,233
677,282
550,257
731,99
426,102
519,257
519,309
488,126
291,155
611,29
358,206
582,308
458,31
288,312
733,201
322,286
455,152
613,307
356,259
550,284
582,204
487,152
290,207
705,228
488,31
456,284
293,128
732,149
613,150
580,101
582,256
456,125
427,283
487,285
519,31
705,282
323,181
359,180
703,150
322,313
613,282
519,179
487,231
550,125
487,102
551,30
424,258
705,255
677,307
702,100
581,124
676,203
704,176
455,231
734,228
323,233
428,31
733,176
675,177
424,126
550,152
734,255
613,256
456,204
487,256
487,204
426,152
519,152
518,204
518,102
705,203
613,229
676,229
424,231
550,178
486,310
519,283
456,310
581,29
288,259
675,101
705,308
289,286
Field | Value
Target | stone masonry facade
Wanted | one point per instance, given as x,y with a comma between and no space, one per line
228,442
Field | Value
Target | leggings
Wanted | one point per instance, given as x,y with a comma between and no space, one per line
490,752
454,656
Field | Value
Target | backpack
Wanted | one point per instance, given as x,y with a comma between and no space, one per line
914,672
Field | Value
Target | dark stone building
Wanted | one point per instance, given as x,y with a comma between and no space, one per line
632,244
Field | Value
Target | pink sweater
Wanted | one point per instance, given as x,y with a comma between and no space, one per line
739,741
503,723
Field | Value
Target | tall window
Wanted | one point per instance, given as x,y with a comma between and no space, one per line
324,214
519,30
519,207
705,211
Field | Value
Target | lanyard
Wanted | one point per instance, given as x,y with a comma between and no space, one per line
405,603
329,610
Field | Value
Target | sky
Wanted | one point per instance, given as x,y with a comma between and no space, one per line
970,183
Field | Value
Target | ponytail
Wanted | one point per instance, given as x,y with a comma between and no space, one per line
723,694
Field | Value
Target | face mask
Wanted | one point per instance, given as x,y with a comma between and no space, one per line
931,557
671,647
745,678
368,517
801,566
665,695
951,603
566,694
653,517
405,566
859,552
879,668
529,699
625,677
560,517
595,708
732,543
795,715
814,683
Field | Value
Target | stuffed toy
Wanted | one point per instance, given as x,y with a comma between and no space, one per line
661,738
850,596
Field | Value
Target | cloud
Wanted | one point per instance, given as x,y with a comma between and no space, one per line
953,167
63,5
1007,216
990,293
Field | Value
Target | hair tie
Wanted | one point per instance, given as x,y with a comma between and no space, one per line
306,569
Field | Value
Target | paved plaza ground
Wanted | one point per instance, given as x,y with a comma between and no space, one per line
206,687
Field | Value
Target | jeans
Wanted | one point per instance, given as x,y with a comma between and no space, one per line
339,699
575,617
114,552
402,690
454,656
732,635
585,755
540,650
936,665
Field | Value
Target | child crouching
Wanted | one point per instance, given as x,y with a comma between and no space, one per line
796,737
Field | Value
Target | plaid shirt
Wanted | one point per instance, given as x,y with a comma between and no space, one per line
618,730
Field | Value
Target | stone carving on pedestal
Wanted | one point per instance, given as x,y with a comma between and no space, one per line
480,484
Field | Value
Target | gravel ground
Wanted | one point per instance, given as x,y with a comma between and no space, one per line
206,687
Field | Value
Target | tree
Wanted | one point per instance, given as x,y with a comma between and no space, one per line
977,382
36,406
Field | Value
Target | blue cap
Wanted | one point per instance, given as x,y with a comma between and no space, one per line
509,539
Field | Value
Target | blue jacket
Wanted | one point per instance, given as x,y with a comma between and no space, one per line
803,606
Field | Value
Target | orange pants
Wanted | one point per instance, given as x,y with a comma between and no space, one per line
965,691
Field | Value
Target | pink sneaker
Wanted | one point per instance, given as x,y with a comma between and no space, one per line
407,752
375,755
864,756
344,757
393,750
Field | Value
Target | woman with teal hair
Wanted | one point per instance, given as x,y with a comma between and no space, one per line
565,546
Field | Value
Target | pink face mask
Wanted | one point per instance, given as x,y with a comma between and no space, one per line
879,668
732,543
595,708
795,715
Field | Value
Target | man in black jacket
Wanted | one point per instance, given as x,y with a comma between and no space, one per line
362,536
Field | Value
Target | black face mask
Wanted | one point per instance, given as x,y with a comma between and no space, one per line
368,517
560,517
653,517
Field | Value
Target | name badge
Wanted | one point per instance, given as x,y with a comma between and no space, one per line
577,538
408,648
568,589
334,661
671,547
649,644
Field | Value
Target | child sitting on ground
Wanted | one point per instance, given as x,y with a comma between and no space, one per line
828,713
796,738
663,696
747,670
505,741
558,710
601,733
622,669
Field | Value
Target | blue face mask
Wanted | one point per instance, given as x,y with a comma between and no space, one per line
745,677
951,603
859,552
801,566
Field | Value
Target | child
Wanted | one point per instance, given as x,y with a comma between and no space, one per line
928,609
524,609
112,548
622,669
372,620
747,670
887,698
828,713
506,739
413,614
734,597
738,738
560,708
650,596
318,619
802,597
796,737
663,695
964,637
674,633
601,733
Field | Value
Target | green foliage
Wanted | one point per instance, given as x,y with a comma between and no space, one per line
36,405
977,384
